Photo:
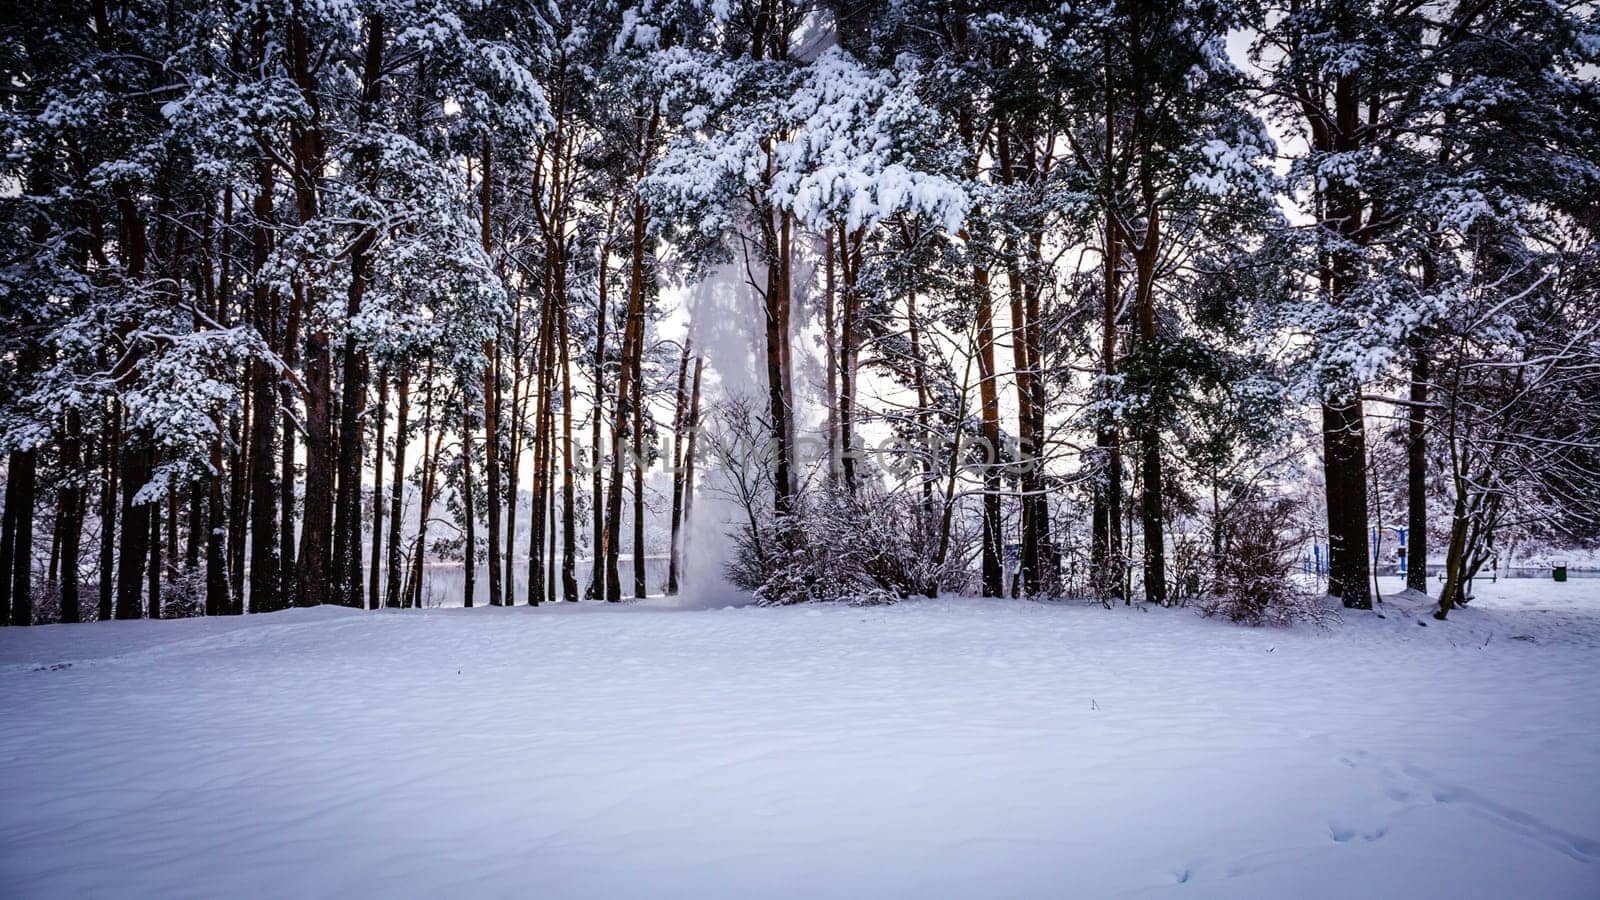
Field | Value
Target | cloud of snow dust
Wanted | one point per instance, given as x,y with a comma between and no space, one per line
725,328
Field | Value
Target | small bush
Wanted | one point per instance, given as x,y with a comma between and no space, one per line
46,596
183,596
870,547
1252,578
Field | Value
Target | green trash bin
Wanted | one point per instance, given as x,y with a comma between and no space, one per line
1559,573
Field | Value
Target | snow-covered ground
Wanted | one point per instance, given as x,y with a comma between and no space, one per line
952,748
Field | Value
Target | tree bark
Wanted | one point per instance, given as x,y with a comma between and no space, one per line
601,539
398,487
153,593
989,417
632,339
679,429
1345,449
849,259
694,434
513,461
374,592
315,579
109,490
137,457
1152,517
491,397
1032,507
1417,472
218,601
544,352
71,513
346,560
265,589
8,546
19,509
430,469
569,533
1106,543
469,532
639,465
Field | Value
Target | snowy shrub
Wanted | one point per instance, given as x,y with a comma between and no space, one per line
184,595
866,548
1252,575
46,601
1187,561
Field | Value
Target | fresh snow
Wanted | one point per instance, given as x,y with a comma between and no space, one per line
949,748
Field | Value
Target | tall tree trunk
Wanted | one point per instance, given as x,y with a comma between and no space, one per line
218,601
1106,549
241,432
689,451
171,552
346,560
544,376
1027,442
639,465
430,493
289,349
398,487
919,375
830,354
988,395
1417,472
849,257
347,588
154,598
265,589
569,524
777,300
1344,448
1342,217
430,468
1032,509
134,544
550,519
314,579
137,456
71,514
679,429
109,490
601,540
491,397
632,339
492,478
470,536
1046,556
776,322
513,460
1151,514
53,566
316,521
194,525
374,591
8,542
224,575
1455,551
22,470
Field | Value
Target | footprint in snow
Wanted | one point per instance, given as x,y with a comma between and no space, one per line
1409,782
1344,833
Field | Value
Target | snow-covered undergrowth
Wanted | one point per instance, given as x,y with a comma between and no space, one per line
934,748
